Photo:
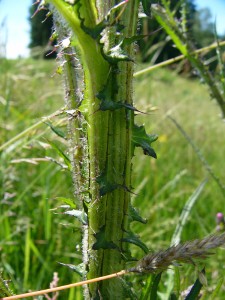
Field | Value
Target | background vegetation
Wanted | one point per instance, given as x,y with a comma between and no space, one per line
35,237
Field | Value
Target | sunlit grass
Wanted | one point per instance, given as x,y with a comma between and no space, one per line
33,238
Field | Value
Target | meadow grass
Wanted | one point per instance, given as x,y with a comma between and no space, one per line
35,238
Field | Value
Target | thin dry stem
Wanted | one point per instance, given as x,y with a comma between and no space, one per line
64,287
177,58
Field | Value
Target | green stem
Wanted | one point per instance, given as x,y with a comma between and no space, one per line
107,160
109,138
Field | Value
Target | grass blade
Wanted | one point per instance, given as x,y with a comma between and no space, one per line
217,289
195,290
154,287
147,289
186,212
179,228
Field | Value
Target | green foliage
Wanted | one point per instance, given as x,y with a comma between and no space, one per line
195,290
33,238
130,237
134,215
215,294
165,18
102,241
108,135
79,269
4,290
60,152
80,215
146,4
68,201
110,88
57,130
154,287
106,185
141,139
156,47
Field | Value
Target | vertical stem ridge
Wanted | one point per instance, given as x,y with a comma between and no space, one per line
108,138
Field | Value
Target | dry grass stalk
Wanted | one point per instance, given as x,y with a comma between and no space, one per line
188,252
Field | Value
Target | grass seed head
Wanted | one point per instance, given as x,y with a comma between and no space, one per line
189,252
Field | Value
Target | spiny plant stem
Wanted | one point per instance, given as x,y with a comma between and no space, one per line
102,174
109,139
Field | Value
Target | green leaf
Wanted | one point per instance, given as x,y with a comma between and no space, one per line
186,211
68,201
110,19
105,185
176,281
146,289
102,242
109,89
146,7
116,54
141,139
173,296
133,239
128,290
94,32
112,105
127,257
217,289
169,26
61,154
80,215
129,40
154,286
195,290
56,130
134,215
178,230
79,269
59,70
